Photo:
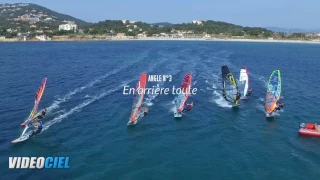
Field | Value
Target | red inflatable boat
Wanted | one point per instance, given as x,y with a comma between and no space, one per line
308,129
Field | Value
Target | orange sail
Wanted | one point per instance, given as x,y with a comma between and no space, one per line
138,98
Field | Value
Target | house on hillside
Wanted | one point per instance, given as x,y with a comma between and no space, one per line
48,19
34,19
70,26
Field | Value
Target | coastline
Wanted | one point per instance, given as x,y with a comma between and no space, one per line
104,38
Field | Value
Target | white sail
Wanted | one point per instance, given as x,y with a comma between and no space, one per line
243,83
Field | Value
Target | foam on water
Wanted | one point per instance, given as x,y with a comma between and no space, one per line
220,101
80,106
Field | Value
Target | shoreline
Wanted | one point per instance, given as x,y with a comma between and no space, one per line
166,39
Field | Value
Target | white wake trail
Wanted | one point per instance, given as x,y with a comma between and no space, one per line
80,106
66,97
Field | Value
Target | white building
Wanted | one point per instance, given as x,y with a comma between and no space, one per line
48,19
197,22
207,36
125,21
43,38
70,26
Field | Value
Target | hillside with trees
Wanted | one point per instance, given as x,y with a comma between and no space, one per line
29,19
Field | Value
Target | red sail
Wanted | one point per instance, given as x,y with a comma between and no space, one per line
138,96
185,88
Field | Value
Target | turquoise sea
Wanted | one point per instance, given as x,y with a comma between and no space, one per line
88,112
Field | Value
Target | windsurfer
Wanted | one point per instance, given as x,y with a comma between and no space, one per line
224,94
278,107
238,95
145,111
249,92
43,113
188,108
38,126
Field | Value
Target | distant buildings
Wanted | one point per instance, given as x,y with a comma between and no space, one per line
125,21
43,38
27,18
197,22
70,26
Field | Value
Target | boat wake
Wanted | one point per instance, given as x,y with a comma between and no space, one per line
68,96
220,101
80,106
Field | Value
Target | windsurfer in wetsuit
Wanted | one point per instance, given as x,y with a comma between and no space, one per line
224,94
237,97
188,108
43,113
38,126
249,92
278,107
145,111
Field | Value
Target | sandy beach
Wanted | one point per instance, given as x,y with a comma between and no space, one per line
108,38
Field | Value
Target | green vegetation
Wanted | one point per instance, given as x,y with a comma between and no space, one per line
49,21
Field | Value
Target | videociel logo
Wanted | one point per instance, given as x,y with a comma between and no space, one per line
38,162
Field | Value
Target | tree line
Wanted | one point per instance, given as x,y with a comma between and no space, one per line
112,27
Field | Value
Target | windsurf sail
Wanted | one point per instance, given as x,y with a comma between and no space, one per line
138,98
185,92
273,91
229,84
244,82
37,99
